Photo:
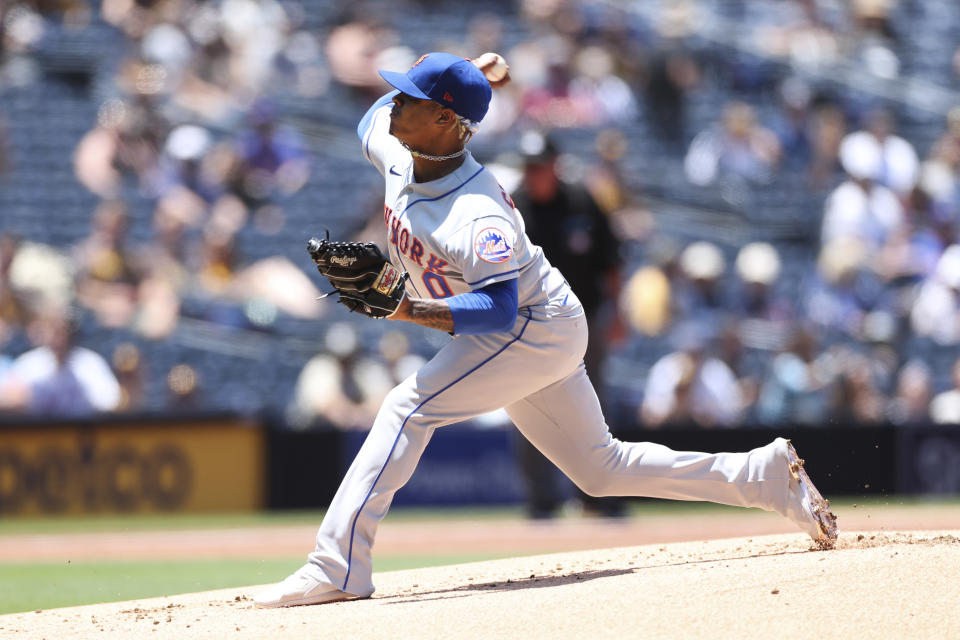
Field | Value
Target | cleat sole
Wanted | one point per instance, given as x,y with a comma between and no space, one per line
820,507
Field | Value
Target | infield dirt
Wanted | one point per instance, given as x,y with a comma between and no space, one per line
873,585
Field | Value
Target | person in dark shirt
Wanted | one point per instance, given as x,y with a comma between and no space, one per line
563,218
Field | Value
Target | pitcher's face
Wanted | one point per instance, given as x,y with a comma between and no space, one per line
413,119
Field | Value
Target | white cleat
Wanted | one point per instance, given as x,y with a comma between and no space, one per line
811,512
299,589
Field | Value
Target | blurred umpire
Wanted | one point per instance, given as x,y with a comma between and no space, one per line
562,217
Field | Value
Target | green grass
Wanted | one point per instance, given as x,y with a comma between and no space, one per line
28,587
45,585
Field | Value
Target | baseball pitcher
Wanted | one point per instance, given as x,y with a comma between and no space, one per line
458,260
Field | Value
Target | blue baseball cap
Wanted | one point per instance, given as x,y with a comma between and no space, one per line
452,81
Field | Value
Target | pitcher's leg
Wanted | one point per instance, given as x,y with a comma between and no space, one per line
465,379
385,462
565,422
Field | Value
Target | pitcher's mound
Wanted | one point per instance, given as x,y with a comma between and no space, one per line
873,585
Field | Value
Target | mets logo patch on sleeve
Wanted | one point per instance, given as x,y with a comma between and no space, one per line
491,246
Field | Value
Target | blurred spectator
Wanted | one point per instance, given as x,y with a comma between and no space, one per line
162,264
38,275
671,74
731,349
339,386
605,180
875,38
596,82
564,219
394,348
13,312
199,86
610,187
911,251
11,320
861,208
935,312
127,362
910,403
190,161
301,65
544,71
854,396
11,392
793,391
939,177
59,377
106,278
24,27
352,50
897,162
792,122
271,156
125,141
129,16
699,291
254,33
690,385
484,32
800,33
843,289
216,262
571,87
648,298
758,267
184,386
827,128
276,281
945,406
737,148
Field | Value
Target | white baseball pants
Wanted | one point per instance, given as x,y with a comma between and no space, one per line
536,373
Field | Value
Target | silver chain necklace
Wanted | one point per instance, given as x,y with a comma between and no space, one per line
427,156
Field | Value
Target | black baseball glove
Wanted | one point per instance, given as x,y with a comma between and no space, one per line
365,280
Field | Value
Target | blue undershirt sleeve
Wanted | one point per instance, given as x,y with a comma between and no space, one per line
490,309
367,118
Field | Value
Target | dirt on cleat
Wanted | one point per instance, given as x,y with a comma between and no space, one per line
820,507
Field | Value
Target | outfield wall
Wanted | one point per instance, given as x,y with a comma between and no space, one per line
228,463
135,465
464,465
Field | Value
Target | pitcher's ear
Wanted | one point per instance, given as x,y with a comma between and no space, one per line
447,115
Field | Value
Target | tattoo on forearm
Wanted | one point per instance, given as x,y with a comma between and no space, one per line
432,313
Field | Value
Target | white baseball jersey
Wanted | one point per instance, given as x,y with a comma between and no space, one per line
461,232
